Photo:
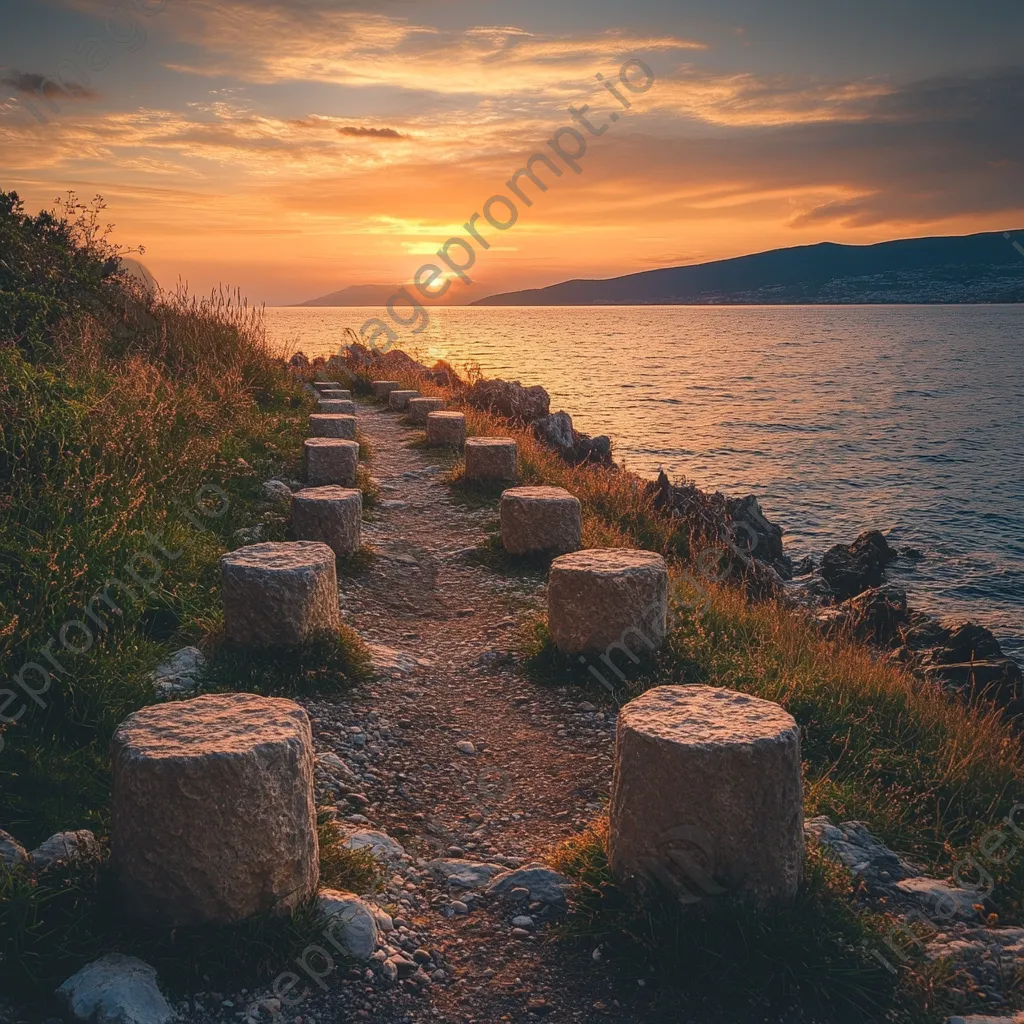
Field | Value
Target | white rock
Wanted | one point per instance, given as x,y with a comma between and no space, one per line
67,848
349,921
941,900
116,989
181,672
12,853
380,845
277,491
465,747
544,884
465,874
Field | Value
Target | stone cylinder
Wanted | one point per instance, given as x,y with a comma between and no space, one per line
398,400
278,594
446,429
332,515
339,406
331,460
417,408
490,460
214,819
707,798
605,597
336,394
383,388
331,424
536,520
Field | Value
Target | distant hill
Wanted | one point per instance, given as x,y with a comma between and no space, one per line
356,295
968,268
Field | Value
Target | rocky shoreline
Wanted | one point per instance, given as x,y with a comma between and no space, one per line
845,589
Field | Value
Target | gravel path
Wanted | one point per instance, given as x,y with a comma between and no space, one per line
441,626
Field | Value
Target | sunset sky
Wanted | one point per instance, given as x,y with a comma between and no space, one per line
293,147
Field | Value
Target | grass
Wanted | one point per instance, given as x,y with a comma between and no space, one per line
928,774
135,433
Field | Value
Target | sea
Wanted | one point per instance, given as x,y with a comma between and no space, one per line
906,419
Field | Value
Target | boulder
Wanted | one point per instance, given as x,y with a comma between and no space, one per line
464,874
861,853
332,515
877,615
967,641
65,848
349,922
338,406
12,853
116,989
181,672
556,432
332,424
942,901
446,429
331,460
593,450
755,536
850,569
491,460
997,679
536,520
278,594
707,798
277,491
417,409
379,844
398,400
213,813
608,599
510,399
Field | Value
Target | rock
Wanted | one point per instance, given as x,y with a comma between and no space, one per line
332,424
744,835
278,594
213,812
594,450
350,922
116,989
850,569
326,385
555,431
383,388
398,400
543,884
379,844
388,661
491,460
182,671
536,520
299,361
860,852
465,747
940,900
522,921
967,641
510,399
12,853
337,394
332,515
277,491
65,848
999,680
331,460
417,409
608,598
464,874
446,429
982,1018
755,536
878,615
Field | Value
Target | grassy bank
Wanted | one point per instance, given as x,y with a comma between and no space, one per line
135,433
928,775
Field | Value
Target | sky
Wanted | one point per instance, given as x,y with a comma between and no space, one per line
295,147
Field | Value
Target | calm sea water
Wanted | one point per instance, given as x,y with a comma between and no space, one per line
903,418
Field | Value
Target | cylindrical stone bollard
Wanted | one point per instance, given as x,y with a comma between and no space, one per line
336,394
707,798
446,429
604,597
278,594
539,519
398,400
329,514
417,408
383,388
331,460
330,424
214,818
490,460
339,406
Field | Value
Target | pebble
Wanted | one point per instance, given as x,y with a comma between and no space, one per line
465,747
